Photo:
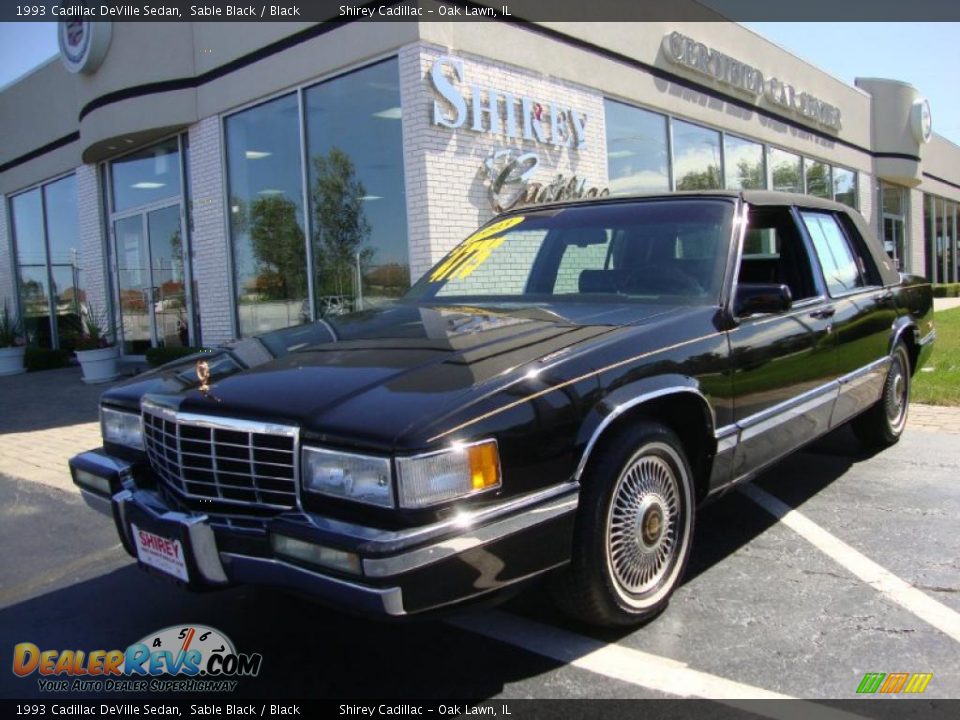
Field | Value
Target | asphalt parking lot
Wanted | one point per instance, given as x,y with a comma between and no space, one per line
832,565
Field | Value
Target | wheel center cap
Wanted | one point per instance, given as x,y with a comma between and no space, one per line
650,524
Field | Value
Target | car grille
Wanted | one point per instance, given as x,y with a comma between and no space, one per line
212,462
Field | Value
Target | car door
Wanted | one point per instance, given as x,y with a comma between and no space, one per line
864,310
784,365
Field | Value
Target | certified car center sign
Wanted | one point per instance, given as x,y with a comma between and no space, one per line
83,45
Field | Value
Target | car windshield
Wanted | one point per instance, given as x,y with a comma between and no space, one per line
665,250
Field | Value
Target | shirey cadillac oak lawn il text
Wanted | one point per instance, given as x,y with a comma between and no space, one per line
559,394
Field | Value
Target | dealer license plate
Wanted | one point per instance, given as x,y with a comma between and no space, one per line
161,553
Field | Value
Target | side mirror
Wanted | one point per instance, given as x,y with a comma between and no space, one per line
756,298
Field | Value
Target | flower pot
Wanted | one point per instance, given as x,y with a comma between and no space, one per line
99,365
11,360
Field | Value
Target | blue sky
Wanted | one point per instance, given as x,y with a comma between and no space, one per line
926,55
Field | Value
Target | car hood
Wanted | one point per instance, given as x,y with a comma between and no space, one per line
369,376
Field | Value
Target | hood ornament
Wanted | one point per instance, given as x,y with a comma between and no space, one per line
203,375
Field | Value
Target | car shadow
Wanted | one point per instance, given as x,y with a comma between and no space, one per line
313,652
726,524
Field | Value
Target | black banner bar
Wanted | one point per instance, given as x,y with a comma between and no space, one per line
470,11
499,709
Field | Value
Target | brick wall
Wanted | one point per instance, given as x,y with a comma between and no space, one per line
916,250
7,263
93,247
211,265
449,161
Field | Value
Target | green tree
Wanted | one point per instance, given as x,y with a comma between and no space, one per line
340,228
708,179
750,175
278,245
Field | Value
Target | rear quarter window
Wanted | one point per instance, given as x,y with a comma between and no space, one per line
839,262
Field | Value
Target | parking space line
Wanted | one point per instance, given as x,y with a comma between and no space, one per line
636,667
899,591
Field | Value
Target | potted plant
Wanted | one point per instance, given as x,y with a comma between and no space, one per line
12,344
96,350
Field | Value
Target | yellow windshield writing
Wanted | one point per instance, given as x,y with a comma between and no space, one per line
473,252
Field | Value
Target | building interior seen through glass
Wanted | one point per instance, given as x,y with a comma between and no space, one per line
940,233
356,221
46,234
148,236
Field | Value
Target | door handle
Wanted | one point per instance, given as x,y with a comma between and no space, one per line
824,313
885,298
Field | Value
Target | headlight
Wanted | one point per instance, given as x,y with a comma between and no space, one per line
123,428
352,477
461,470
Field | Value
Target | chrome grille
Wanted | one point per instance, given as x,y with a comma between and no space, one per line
209,461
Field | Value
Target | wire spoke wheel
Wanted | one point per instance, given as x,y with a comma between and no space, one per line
896,392
646,525
633,531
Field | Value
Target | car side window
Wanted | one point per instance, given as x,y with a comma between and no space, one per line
841,268
868,267
773,252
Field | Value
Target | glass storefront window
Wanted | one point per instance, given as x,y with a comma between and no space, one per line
696,157
32,264
266,216
358,215
818,178
845,186
785,171
950,241
637,158
63,240
42,218
743,161
146,176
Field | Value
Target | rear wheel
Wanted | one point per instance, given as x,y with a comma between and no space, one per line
883,424
633,532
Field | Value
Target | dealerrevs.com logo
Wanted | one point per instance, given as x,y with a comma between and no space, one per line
180,658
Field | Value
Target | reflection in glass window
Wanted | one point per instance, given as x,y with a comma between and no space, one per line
146,176
636,149
32,264
818,178
785,171
63,239
33,234
892,200
845,186
266,216
836,257
744,164
696,157
356,189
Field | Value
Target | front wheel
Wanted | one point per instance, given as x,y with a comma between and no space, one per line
633,532
883,424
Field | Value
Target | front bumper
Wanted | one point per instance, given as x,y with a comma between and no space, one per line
394,573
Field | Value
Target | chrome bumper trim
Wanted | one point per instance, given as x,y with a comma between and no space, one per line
928,338
387,541
384,567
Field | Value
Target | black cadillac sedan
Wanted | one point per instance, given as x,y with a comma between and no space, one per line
558,395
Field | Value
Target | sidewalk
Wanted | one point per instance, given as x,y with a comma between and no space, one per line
47,417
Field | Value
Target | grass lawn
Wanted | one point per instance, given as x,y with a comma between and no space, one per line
938,382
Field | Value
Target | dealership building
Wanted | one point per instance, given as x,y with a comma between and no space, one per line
198,182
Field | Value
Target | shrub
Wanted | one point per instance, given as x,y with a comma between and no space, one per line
943,290
161,355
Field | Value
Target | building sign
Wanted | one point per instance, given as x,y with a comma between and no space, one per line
499,112
510,183
83,45
730,72
921,121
